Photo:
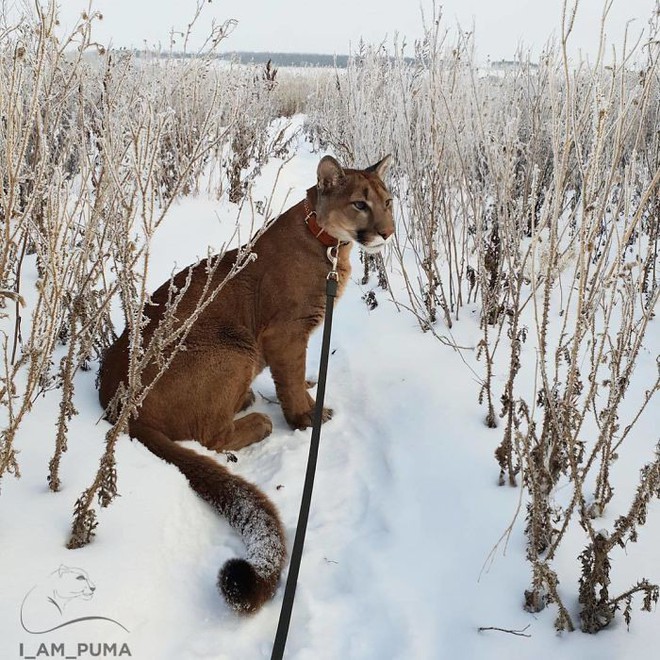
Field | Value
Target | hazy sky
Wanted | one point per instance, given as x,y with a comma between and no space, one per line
336,26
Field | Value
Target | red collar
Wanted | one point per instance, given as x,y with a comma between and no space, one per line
319,233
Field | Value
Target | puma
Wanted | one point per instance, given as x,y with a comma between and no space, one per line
263,317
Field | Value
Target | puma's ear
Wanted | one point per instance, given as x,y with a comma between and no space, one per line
380,168
329,174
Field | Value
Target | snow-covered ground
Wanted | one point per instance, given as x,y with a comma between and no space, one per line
406,510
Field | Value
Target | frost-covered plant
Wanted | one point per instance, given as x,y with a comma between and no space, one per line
96,146
593,281
43,140
250,117
531,192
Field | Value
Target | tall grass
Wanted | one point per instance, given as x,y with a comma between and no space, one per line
96,146
533,193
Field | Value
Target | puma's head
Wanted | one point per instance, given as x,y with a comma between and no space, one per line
355,205
69,583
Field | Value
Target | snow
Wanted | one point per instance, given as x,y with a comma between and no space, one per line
404,557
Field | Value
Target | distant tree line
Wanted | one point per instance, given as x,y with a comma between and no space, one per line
278,59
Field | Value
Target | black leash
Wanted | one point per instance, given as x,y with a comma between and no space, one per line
303,516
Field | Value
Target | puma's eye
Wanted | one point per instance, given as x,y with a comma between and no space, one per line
388,203
360,205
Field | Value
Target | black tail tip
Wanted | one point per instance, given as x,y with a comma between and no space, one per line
244,590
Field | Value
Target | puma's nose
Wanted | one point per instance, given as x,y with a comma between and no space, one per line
386,233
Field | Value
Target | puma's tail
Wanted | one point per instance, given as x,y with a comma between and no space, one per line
245,583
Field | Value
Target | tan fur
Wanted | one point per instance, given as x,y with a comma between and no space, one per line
263,317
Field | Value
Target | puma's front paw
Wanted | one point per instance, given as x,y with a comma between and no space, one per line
305,420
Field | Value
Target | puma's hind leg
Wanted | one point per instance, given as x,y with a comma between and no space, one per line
218,387
249,429
240,433
247,400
